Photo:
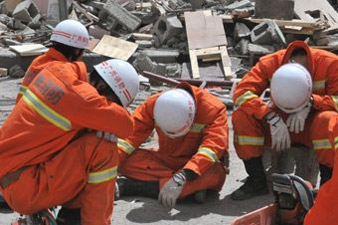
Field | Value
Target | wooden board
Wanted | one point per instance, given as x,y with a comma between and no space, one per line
115,48
204,31
297,23
29,49
215,53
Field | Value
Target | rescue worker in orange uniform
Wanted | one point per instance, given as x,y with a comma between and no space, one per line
72,51
304,96
324,211
47,156
192,133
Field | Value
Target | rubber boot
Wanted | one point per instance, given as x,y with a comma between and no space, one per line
131,187
68,216
200,196
325,173
255,183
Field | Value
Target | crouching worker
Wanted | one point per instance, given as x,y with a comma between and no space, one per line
47,156
193,136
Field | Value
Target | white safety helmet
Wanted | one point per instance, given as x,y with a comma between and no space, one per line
291,87
121,77
174,112
71,33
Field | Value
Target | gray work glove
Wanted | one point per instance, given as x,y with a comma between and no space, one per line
171,190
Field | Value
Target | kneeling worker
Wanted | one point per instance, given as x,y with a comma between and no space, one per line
193,136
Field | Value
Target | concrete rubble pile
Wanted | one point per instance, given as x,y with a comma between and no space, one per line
158,28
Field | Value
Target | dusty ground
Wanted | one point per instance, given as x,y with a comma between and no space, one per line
219,209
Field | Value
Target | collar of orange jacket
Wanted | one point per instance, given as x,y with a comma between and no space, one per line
298,44
55,54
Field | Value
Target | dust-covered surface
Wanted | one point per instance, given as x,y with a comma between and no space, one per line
219,209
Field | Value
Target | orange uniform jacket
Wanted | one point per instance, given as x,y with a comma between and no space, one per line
204,144
42,62
324,211
54,107
323,66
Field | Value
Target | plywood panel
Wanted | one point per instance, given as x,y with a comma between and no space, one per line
115,48
29,49
204,31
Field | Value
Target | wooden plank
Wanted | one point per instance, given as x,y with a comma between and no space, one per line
115,48
204,31
281,23
143,5
29,49
226,62
194,64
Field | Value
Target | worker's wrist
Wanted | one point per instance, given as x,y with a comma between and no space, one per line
180,178
270,115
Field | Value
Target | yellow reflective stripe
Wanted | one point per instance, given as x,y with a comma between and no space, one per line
209,153
249,140
245,97
197,127
46,112
22,89
102,176
319,84
335,100
336,142
321,144
125,146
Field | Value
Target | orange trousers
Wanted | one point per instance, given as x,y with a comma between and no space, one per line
252,136
82,175
147,165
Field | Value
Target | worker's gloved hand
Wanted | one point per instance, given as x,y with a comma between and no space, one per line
279,133
296,121
107,136
171,190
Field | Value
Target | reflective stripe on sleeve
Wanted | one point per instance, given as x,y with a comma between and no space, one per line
209,153
317,85
197,128
125,146
335,100
22,89
45,111
245,97
321,144
336,142
249,140
102,176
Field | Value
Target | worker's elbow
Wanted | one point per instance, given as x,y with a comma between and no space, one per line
127,128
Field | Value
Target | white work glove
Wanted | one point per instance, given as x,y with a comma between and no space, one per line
171,190
296,121
107,136
279,133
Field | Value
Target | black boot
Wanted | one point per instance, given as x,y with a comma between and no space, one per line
131,187
68,216
255,183
325,173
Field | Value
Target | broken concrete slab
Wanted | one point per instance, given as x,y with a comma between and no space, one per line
277,9
239,5
241,31
16,72
267,33
124,17
260,49
165,28
179,4
3,72
242,47
162,55
26,11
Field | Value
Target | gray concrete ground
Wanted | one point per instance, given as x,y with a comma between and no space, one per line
219,209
